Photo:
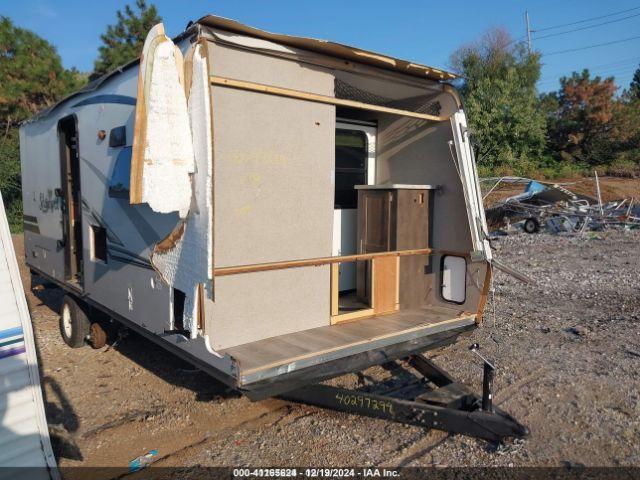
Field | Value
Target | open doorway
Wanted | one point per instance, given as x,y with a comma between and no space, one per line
72,204
355,165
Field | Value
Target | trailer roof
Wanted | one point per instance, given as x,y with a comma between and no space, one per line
313,44
330,48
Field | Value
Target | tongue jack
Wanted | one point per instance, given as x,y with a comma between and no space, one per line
487,379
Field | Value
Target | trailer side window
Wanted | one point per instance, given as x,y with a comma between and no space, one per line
119,181
453,275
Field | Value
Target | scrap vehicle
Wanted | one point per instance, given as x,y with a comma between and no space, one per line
556,207
277,210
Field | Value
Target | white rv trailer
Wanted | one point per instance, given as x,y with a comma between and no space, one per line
25,447
277,210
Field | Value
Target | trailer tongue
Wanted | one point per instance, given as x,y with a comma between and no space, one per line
429,397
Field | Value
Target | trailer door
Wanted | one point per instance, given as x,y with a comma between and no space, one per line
355,165
72,203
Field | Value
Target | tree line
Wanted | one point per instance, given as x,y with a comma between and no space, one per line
588,122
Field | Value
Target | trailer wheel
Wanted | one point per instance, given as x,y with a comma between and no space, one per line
97,336
531,225
74,323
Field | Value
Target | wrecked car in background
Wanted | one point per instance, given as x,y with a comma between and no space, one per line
556,208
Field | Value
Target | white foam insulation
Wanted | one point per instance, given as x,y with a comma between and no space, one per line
168,157
190,261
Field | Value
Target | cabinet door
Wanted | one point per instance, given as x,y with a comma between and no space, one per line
374,222
413,219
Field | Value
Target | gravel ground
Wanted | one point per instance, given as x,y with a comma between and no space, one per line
567,352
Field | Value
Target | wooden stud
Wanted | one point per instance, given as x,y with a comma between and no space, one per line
314,97
397,283
201,317
139,141
485,294
314,262
335,294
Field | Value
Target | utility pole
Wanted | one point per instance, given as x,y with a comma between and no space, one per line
526,18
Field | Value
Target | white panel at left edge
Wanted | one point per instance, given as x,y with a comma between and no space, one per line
24,435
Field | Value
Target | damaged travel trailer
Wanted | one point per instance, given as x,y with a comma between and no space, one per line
277,210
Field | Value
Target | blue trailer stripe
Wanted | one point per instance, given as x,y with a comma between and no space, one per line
11,332
97,99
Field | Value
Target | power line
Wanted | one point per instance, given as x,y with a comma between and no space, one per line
625,63
594,73
619,62
585,28
591,46
585,20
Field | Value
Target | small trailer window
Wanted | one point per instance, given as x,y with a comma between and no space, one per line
453,277
119,181
98,243
351,166
118,137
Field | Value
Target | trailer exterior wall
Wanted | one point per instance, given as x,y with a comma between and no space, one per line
273,197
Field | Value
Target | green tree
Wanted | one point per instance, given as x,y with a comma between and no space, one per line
580,128
634,88
625,134
123,41
31,74
31,78
499,87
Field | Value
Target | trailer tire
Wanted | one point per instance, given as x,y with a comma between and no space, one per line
531,225
74,322
97,336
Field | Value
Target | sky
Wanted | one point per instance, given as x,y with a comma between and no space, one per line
422,31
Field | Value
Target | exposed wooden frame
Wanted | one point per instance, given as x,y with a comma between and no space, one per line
385,292
335,293
155,36
485,294
204,45
315,262
139,139
336,316
314,97
384,283
201,317
355,315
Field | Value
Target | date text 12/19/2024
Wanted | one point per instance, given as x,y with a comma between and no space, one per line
315,472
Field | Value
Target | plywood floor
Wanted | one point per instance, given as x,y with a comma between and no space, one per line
285,349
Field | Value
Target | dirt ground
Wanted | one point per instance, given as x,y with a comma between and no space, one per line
567,352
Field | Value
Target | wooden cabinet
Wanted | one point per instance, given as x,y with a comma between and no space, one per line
395,217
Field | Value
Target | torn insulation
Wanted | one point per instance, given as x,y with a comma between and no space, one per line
185,261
